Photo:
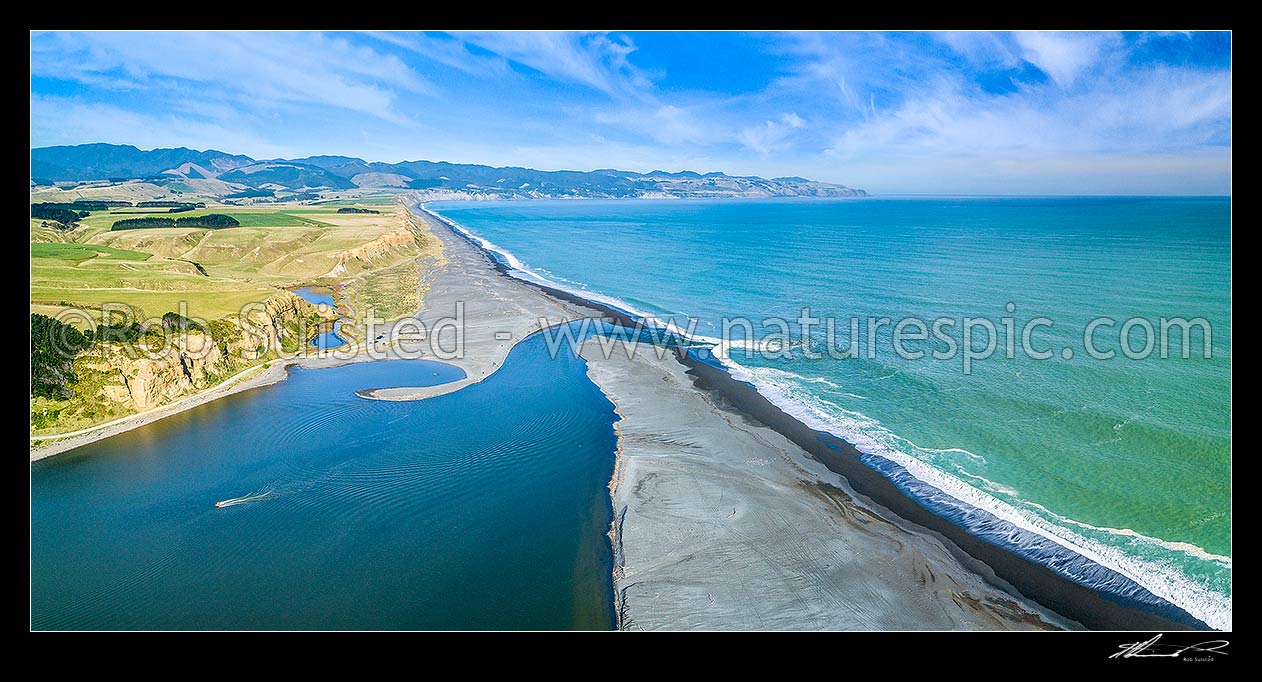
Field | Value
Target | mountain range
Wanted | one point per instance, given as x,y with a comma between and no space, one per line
222,174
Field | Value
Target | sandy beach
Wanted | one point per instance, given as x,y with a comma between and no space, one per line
721,522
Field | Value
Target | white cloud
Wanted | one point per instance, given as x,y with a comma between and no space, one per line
1062,56
1155,110
792,120
980,47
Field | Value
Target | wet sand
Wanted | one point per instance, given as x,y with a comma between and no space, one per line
724,524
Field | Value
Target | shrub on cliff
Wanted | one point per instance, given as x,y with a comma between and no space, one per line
177,322
118,332
53,348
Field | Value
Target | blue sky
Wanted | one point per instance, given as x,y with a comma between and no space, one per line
970,113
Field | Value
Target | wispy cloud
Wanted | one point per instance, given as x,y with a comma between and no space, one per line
981,47
69,120
262,69
445,50
596,60
664,123
771,135
1161,109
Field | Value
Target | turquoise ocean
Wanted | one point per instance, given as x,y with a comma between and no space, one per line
1125,461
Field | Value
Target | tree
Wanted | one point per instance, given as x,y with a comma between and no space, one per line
54,346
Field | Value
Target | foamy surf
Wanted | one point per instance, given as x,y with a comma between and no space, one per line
1163,580
871,438
1173,545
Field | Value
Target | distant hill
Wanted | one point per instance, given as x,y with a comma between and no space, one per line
104,161
285,175
236,173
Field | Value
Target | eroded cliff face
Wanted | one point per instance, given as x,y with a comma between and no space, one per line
364,256
146,382
269,321
139,378
382,245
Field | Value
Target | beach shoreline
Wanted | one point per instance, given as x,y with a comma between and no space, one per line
1083,604
720,523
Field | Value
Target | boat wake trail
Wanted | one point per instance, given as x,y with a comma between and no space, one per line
252,497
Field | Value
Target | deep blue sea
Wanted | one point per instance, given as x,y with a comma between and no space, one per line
1125,460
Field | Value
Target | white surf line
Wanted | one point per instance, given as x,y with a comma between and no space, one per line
201,394
1159,578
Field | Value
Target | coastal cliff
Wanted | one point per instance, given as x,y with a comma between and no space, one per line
114,379
365,256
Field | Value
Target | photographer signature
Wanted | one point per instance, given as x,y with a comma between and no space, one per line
1151,649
